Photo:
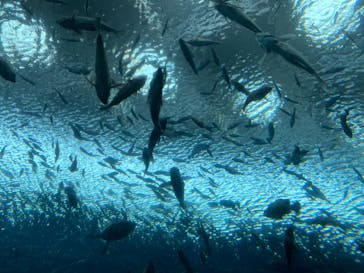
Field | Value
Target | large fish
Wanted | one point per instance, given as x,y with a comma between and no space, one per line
114,232
279,208
271,43
155,95
6,71
132,86
236,15
178,186
80,23
187,54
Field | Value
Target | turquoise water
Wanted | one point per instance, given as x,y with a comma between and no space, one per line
228,185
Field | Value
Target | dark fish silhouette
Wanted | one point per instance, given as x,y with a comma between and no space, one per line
178,186
344,124
270,132
6,71
271,43
188,55
114,232
80,23
71,196
236,15
215,57
314,192
165,27
155,95
257,95
296,156
289,245
131,87
240,87
202,42
279,208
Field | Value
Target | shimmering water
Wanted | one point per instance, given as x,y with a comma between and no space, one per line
39,232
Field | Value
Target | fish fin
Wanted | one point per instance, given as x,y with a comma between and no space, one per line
165,184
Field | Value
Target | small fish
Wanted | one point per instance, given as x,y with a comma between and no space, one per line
225,75
240,87
205,238
80,23
71,197
258,141
279,208
291,100
333,70
57,2
61,96
147,157
73,167
78,69
360,176
2,152
215,57
155,96
165,27
202,42
289,245
227,168
198,148
297,80
296,156
270,132
6,71
136,41
56,152
321,155
188,55
292,119
343,120
257,95
331,101
156,134
76,132
132,86
314,192
178,186
27,79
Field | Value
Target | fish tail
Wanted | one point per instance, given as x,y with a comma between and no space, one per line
296,207
105,107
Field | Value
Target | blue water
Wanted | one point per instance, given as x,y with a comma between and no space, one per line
227,186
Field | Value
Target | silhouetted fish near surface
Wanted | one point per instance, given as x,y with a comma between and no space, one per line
279,208
80,23
289,245
57,2
165,27
215,57
178,186
202,42
131,87
79,69
6,71
360,176
114,232
257,95
155,95
205,237
236,15
225,75
73,166
155,136
187,54
270,132
343,121
271,43
292,119
296,156
56,152
240,87
314,192
71,196
297,80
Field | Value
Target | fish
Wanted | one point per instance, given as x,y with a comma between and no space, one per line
327,220
61,96
225,75
114,232
2,152
296,156
258,141
205,238
131,87
178,186
331,101
156,134
78,69
227,168
188,55
321,155
314,192
165,27
344,125
333,70
102,84
57,2
155,96
289,245
215,57
6,71
360,176
71,197
185,262
297,80
281,207
198,148
229,204
56,152
240,87
80,23
298,175
26,79
76,132
73,167
86,7
257,95
270,132
292,119
271,43
236,15
202,42
135,42
147,157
